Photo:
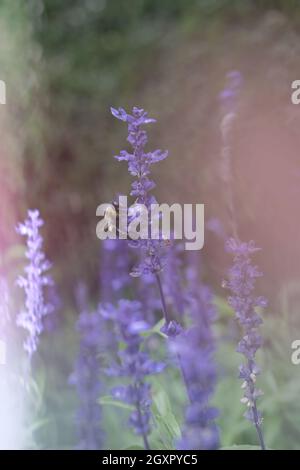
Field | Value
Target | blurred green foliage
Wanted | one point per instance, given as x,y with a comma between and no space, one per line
97,48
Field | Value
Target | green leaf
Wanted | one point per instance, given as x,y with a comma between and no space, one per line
156,329
36,425
109,401
165,418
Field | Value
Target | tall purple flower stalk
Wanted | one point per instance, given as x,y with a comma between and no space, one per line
134,363
34,281
241,281
195,349
243,274
139,164
86,377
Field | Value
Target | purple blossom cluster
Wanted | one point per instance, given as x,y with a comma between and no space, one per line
139,165
197,369
241,281
34,281
152,252
134,363
195,348
86,378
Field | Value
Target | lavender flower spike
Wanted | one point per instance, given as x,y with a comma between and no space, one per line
152,252
134,364
34,282
241,282
195,348
86,379
139,164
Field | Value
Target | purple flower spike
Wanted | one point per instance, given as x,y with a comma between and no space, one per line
139,165
241,281
86,379
134,364
195,350
34,282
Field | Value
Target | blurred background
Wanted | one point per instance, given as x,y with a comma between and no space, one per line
65,63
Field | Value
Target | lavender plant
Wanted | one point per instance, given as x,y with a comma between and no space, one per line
200,430
242,275
134,363
34,281
152,252
195,349
86,377
241,282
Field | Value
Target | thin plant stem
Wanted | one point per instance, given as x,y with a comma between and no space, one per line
144,435
258,428
162,298
227,173
256,418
